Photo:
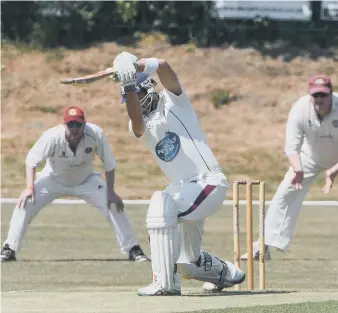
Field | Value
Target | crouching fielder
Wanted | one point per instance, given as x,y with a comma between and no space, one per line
311,146
167,124
70,150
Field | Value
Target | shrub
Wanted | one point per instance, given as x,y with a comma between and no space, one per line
220,97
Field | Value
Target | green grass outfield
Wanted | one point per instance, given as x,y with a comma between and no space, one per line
327,306
70,262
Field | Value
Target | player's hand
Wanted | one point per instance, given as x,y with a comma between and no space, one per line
297,180
114,198
328,182
124,57
114,78
25,195
124,67
124,62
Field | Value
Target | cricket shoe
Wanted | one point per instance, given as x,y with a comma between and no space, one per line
136,254
7,254
230,275
155,289
255,251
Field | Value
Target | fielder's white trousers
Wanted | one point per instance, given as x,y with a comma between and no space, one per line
93,191
286,205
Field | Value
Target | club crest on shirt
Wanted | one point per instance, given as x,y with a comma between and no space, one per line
88,150
335,123
168,148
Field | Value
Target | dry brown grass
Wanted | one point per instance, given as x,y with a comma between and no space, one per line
247,135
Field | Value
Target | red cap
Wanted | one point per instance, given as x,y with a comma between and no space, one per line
320,83
74,114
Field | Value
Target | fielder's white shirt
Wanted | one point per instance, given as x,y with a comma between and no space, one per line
306,134
174,137
66,167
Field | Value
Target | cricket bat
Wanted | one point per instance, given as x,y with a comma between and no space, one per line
88,79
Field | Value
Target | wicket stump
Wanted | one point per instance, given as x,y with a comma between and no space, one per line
249,232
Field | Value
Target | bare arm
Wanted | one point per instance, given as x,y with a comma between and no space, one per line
38,153
295,162
333,171
28,192
30,176
112,196
135,113
110,180
330,174
107,157
166,74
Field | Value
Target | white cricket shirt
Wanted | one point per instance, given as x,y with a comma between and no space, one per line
316,139
174,137
66,167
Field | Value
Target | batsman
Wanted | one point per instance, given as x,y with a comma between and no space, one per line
167,124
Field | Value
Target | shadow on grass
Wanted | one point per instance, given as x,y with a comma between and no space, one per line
239,293
300,259
307,259
77,260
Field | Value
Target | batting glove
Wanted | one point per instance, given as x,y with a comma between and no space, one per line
124,67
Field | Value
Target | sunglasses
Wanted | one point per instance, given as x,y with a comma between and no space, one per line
74,124
320,95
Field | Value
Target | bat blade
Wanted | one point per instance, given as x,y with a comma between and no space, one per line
88,79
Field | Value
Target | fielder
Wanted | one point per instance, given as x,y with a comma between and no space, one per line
69,151
311,147
167,124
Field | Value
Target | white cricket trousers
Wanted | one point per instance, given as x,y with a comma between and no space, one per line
93,191
286,205
196,201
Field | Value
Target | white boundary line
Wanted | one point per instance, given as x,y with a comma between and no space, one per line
147,202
